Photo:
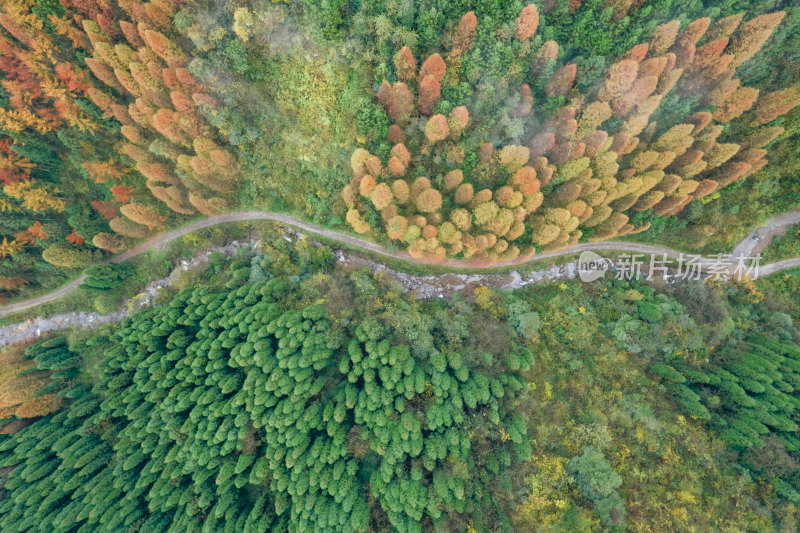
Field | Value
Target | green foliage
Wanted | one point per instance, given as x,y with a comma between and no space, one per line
523,318
667,372
597,481
237,388
101,278
783,246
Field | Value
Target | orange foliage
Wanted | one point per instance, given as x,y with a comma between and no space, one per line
103,171
74,238
36,231
13,167
429,91
694,32
527,22
37,406
397,101
433,66
465,32
737,103
620,77
165,48
106,209
562,80
638,52
12,283
122,193
709,52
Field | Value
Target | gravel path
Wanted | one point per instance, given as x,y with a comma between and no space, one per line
758,239
753,243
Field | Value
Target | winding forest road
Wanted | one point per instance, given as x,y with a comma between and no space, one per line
752,244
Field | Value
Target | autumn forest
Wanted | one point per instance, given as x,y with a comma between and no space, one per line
293,266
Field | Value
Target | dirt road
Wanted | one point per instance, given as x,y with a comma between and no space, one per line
753,243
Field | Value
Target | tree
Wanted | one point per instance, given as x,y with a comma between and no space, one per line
107,210
396,227
357,222
104,171
464,193
429,201
775,104
74,238
513,157
68,256
36,198
597,481
366,185
405,64
109,242
737,103
752,35
164,48
457,121
9,248
433,66
101,278
401,191
664,37
436,129
381,196
761,137
429,92
465,33
561,81
399,103
525,180
542,143
128,228
527,22
620,77
122,193
142,214
694,32
724,27
453,179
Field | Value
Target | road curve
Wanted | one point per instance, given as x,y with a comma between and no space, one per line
755,241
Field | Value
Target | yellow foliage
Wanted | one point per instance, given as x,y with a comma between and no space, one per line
486,300
9,248
36,199
544,500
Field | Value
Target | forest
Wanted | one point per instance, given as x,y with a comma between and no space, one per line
263,377
285,397
480,131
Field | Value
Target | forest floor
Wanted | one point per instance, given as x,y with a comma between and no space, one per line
429,286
